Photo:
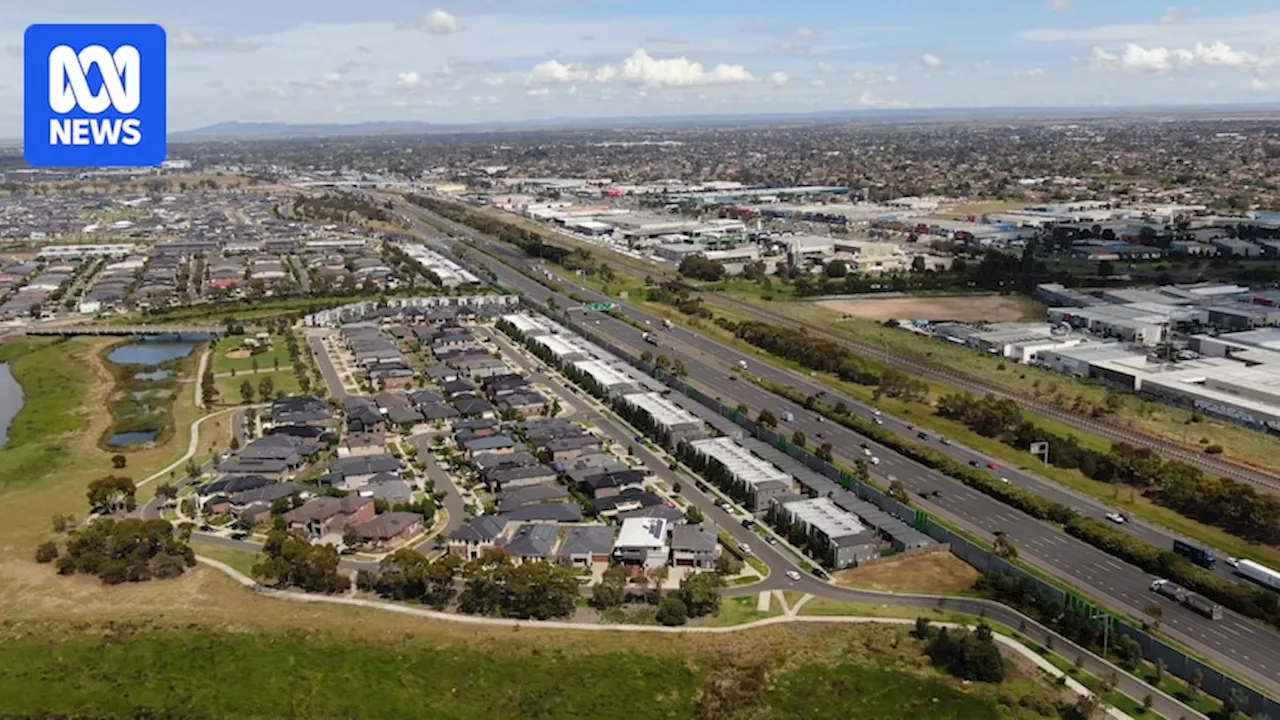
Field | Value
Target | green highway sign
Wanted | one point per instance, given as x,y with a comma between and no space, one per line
598,306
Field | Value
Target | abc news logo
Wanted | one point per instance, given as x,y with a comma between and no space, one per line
69,89
94,95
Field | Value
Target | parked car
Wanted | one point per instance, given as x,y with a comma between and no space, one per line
1004,480
771,540
240,535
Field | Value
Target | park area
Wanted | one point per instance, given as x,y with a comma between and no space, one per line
962,308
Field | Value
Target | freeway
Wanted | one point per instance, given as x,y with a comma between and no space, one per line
1245,647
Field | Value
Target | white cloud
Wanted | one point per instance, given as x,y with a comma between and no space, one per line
1059,4
554,72
440,22
826,67
1029,74
1262,29
679,72
779,79
1171,15
870,78
494,80
805,33
540,92
982,65
1257,83
1139,59
410,79
183,40
931,61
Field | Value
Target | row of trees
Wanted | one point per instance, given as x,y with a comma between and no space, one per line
1247,600
291,561
118,551
814,353
1235,507
700,267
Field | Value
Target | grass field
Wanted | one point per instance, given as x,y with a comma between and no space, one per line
962,308
867,672
740,610
54,381
279,352
935,573
229,387
241,560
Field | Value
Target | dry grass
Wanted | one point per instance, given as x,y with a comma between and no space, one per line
939,573
967,308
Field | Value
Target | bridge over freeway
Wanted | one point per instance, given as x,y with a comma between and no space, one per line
126,330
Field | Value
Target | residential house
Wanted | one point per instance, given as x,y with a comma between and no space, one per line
388,488
642,541
526,404
546,512
363,415
585,545
519,497
509,477
694,546
301,410
471,406
329,516
386,401
390,529
472,540
492,445
532,543
354,472
610,483
626,501
568,448
364,444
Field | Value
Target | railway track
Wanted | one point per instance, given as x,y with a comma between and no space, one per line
1222,468
1257,477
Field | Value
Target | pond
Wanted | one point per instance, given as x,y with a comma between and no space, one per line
150,353
132,438
11,400
152,376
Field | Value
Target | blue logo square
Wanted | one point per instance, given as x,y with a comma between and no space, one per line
94,95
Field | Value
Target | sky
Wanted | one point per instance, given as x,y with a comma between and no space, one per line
345,61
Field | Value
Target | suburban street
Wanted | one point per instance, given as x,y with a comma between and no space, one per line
1246,647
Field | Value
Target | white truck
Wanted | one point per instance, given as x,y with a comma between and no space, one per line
1188,599
651,338
1260,574
667,324
742,364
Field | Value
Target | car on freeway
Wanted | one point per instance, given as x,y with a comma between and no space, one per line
1116,518
922,435
702,487
991,466
866,451
1233,562
975,463
819,418
911,427
771,540
1004,480
877,421
876,413
793,576
875,460
944,440
732,376
820,435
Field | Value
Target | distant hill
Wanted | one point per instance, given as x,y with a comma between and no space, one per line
266,130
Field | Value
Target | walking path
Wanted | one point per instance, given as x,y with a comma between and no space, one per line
204,363
193,444
1026,652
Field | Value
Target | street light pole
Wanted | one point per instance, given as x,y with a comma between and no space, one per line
1106,631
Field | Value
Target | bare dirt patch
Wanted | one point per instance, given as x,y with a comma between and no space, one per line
967,308
939,573
238,354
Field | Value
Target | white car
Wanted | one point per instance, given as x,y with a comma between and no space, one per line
866,451
875,460
793,576
878,421
1116,518
745,548
876,413
1233,562
1004,480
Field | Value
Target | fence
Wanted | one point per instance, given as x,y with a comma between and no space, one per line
1177,663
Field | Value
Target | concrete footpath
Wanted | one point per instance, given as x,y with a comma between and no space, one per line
290,595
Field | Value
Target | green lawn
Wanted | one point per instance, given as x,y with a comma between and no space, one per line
54,384
278,351
241,560
229,387
740,610
858,672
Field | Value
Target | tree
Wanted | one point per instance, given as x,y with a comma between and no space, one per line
1004,547
677,368
351,538
166,491
119,461
112,494
836,269
967,655
699,267
824,452
700,593
672,611
267,389
611,591
46,553
767,418
656,576
728,564
246,392
918,264
798,438
1128,652
694,516
898,491
290,561
128,550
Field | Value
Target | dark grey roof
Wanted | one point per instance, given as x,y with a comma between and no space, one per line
627,497
388,525
519,497
490,442
233,484
249,466
587,540
693,538
547,512
532,541
485,527
399,415
368,465
267,493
